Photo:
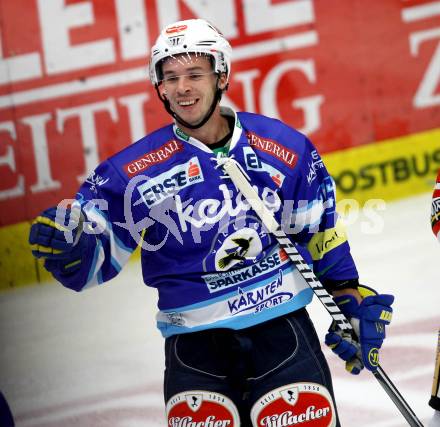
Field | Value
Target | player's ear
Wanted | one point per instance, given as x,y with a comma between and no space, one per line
223,81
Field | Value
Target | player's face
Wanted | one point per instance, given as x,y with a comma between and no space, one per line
189,84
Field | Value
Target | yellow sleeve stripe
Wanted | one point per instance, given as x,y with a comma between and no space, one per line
47,221
324,241
78,261
45,249
345,301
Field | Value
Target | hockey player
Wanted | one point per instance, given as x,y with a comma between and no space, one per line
6,418
435,394
240,349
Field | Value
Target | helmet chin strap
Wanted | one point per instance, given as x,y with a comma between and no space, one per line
166,103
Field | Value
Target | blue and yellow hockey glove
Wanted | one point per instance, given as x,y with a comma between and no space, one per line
369,318
56,236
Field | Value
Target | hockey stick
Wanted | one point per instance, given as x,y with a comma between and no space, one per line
241,181
396,397
435,394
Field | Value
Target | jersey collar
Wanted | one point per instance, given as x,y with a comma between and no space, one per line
224,111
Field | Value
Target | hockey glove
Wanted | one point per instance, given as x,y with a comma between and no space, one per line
56,236
360,347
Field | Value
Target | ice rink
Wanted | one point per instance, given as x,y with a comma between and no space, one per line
96,358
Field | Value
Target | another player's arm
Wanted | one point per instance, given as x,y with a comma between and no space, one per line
435,224
435,208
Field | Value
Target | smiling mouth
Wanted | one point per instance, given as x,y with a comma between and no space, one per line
187,103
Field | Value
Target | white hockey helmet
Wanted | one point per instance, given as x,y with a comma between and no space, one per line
191,36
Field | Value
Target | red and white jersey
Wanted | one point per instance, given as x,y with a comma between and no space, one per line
435,223
435,208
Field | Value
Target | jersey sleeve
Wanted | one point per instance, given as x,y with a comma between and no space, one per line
435,208
105,205
318,227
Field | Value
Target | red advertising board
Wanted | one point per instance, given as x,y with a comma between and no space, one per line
74,88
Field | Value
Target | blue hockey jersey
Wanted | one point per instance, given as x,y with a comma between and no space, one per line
203,247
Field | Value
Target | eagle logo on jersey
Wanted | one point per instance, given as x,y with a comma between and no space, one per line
238,253
237,245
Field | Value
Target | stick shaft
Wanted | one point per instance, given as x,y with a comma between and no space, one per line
328,302
396,397
269,221
435,394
